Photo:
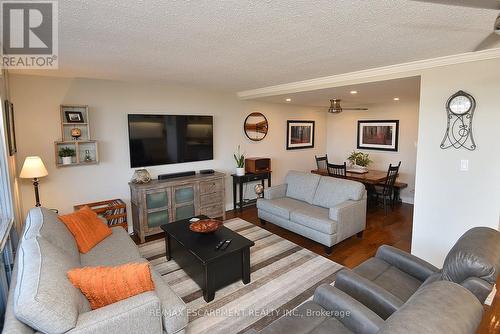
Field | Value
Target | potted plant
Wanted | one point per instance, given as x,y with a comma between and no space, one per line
240,162
359,160
67,154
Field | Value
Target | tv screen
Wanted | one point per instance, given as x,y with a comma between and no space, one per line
169,139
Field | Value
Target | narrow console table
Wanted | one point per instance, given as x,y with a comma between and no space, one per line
239,181
161,202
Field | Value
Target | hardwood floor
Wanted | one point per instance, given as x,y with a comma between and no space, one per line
394,229
491,318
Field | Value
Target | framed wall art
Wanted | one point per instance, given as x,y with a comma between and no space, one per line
378,135
11,130
300,135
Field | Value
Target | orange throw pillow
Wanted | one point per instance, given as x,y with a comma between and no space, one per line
106,285
86,227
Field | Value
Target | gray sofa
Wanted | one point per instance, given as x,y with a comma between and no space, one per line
440,307
385,282
322,208
43,300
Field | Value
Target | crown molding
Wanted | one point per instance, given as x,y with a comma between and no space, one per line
401,70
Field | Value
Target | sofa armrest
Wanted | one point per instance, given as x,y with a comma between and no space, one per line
440,307
275,192
479,287
137,314
406,262
350,217
360,319
173,310
368,293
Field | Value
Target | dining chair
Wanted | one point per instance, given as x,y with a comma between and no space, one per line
321,162
386,194
337,170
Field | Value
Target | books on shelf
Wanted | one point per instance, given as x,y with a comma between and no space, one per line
114,211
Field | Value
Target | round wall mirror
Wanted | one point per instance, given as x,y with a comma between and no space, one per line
256,126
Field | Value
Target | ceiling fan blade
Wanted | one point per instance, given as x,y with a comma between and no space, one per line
487,4
491,41
355,108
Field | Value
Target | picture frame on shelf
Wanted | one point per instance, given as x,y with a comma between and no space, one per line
300,135
11,129
74,116
382,135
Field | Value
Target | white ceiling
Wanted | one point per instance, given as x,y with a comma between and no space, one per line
368,94
238,45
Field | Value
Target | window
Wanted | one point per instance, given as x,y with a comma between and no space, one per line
7,233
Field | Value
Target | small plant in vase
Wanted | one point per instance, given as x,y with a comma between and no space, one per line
67,155
240,162
359,160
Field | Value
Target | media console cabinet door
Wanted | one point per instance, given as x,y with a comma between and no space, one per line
184,205
157,210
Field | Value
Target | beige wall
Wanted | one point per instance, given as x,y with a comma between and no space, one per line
448,201
342,133
37,101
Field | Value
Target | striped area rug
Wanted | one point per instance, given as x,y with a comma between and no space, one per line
283,275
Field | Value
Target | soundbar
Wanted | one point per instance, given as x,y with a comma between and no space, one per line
174,175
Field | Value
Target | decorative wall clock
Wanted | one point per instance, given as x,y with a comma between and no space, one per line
460,110
256,126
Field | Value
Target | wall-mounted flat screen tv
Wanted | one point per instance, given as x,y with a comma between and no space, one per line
169,139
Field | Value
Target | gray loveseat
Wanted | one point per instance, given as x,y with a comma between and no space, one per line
322,208
438,308
42,299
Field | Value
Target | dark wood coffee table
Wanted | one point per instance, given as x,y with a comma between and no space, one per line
195,253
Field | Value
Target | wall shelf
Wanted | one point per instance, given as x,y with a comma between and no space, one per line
86,149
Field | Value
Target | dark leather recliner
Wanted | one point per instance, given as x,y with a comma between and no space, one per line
439,307
385,282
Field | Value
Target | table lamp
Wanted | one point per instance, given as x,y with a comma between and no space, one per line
33,168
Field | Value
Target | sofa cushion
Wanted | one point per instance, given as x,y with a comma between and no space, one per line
316,218
281,207
332,191
45,223
87,228
388,277
475,254
44,298
301,186
115,250
107,285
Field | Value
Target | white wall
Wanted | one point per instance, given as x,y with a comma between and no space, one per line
447,201
342,133
37,101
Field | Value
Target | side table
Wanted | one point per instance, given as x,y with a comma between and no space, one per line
239,181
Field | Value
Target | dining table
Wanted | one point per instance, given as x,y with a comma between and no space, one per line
370,178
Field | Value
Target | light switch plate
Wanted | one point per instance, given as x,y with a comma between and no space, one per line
464,165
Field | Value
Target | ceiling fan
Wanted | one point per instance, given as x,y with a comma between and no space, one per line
335,107
492,39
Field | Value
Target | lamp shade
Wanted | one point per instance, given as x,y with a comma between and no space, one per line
33,168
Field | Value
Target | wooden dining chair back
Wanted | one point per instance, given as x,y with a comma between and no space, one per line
386,196
322,162
337,170
390,180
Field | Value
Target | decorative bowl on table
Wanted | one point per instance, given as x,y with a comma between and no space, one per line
205,226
